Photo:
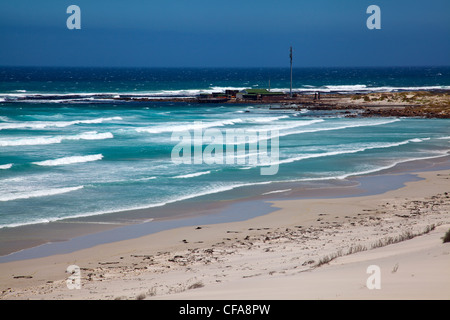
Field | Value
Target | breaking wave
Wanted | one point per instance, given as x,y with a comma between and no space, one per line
69,160
36,194
92,135
54,124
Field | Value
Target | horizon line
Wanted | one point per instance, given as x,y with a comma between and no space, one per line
223,67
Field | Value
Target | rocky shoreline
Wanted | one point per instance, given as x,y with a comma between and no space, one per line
424,104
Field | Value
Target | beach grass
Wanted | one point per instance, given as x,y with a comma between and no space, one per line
446,238
406,235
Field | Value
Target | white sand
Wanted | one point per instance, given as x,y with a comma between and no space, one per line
274,256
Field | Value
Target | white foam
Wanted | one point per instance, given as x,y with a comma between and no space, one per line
44,140
355,87
218,190
419,139
146,179
222,89
353,125
325,89
391,165
286,125
6,166
359,88
208,192
89,97
186,126
349,151
277,191
34,221
240,155
38,193
192,175
98,120
55,124
282,129
70,160
332,153
29,141
160,204
264,119
91,135
361,173
288,133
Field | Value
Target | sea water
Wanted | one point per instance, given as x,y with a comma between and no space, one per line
73,144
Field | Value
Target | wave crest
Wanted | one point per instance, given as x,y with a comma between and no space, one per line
192,175
91,135
38,193
6,166
54,124
69,160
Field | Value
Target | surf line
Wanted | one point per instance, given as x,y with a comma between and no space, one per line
229,148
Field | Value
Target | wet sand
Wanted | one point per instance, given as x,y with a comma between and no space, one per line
69,235
293,252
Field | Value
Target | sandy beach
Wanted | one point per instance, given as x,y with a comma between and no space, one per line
215,154
306,249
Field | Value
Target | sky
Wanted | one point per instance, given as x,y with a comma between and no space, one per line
232,33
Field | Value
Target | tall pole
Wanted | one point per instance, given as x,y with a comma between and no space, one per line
290,56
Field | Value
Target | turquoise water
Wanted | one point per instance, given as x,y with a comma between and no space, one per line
78,156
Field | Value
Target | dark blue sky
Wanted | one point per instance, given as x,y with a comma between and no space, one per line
232,33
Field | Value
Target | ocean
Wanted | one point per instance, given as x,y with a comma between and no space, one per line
72,144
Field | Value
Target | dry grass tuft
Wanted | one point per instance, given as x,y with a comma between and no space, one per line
446,238
406,235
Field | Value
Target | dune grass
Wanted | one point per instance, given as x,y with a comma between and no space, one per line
446,237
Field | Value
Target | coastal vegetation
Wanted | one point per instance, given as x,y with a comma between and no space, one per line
416,104
446,238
